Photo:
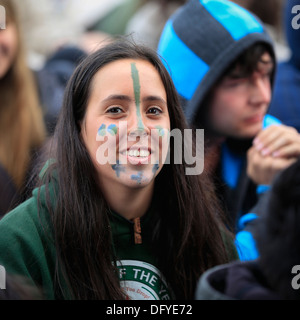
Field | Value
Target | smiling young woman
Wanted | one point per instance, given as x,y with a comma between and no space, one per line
121,230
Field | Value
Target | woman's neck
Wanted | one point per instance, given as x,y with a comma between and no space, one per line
131,203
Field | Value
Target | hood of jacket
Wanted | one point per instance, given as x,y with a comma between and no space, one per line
235,281
201,40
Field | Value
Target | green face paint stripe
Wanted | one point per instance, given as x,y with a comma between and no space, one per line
137,93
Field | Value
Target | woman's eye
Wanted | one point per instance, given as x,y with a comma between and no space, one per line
154,111
114,110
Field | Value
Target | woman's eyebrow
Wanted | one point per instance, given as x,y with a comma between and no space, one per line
118,97
129,99
154,99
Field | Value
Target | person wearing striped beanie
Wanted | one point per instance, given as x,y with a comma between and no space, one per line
222,62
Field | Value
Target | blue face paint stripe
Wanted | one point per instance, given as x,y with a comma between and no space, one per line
238,23
189,72
138,178
155,168
112,129
118,168
102,130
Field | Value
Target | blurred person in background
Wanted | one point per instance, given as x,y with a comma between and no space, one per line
149,20
285,104
270,13
54,23
222,62
56,40
22,129
273,276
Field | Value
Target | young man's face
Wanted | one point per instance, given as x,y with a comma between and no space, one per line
240,102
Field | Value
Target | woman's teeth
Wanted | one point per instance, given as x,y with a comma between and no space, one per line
138,153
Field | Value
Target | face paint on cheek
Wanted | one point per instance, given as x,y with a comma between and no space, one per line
161,131
118,168
112,129
137,93
102,130
155,168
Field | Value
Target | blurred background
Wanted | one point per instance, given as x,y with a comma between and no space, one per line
49,24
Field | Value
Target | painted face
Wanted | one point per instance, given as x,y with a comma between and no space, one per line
8,47
126,125
240,103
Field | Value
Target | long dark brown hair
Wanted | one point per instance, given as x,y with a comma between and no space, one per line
187,239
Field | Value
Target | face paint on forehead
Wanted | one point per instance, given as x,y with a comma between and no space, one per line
137,93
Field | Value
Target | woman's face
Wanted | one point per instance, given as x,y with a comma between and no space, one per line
8,47
126,125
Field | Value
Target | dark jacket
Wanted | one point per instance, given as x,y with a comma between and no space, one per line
286,94
52,80
235,281
275,274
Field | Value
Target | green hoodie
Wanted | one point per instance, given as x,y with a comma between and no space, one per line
27,249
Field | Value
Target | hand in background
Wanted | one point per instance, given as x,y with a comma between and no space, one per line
273,150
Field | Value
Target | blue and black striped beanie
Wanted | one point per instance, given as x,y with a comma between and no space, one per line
201,40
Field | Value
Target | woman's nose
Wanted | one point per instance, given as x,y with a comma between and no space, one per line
138,126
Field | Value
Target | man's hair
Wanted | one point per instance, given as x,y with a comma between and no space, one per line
248,61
